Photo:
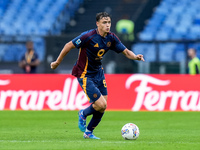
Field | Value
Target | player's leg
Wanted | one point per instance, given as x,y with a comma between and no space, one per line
101,104
83,115
93,95
100,107
105,97
96,106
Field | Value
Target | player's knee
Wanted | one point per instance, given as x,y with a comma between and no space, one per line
100,106
103,106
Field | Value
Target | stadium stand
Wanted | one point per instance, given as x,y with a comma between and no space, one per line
35,17
169,23
169,18
164,38
23,20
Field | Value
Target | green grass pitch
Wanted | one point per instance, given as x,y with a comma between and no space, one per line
25,130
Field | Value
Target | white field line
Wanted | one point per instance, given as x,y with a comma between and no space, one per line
108,142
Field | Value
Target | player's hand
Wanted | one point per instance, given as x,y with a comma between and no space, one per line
140,57
54,65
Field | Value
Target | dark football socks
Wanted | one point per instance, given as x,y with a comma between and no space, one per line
94,121
88,111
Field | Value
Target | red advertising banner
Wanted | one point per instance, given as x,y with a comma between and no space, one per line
136,92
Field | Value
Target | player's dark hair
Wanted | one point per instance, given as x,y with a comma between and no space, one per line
102,15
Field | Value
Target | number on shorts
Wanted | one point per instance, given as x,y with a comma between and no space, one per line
104,82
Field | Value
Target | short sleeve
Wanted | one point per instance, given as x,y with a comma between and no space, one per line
79,40
117,45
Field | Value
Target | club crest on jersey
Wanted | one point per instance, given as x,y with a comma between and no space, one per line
96,45
78,42
95,95
108,44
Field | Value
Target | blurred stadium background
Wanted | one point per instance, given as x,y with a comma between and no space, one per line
164,30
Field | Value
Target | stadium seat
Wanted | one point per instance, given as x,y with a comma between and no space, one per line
148,50
32,19
180,53
3,48
37,16
166,52
162,35
170,13
147,36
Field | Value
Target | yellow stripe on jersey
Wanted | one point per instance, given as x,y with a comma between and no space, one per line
84,87
85,69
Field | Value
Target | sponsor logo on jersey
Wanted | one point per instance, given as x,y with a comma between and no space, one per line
96,45
78,42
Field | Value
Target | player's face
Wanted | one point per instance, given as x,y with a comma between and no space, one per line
104,24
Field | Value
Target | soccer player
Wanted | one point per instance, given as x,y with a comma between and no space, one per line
93,45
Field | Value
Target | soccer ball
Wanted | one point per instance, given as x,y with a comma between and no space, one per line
130,131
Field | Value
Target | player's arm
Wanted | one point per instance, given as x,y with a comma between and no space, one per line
62,54
130,55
